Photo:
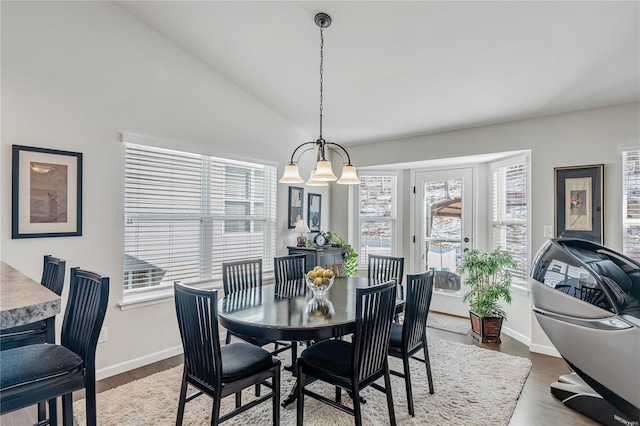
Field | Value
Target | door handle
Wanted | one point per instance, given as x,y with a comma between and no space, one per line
466,240
465,250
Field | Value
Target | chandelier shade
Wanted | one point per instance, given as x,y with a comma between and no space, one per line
323,171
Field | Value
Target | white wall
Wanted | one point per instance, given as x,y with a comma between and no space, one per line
75,75
580,138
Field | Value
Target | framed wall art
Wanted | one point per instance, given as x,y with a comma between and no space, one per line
579,208
46,193
314,203
296,201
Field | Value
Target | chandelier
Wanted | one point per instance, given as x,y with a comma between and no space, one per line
323,172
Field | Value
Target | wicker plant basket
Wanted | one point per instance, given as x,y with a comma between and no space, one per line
487,329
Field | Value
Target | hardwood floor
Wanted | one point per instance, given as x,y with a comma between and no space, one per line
536,405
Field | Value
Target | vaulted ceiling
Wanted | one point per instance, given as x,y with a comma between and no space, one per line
395,69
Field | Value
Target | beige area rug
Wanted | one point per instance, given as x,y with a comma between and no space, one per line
473,386
449,323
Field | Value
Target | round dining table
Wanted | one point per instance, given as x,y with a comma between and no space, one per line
290,312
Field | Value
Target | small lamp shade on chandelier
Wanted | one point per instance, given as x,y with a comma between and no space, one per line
301,228
322,174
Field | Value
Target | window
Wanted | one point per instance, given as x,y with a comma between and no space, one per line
187,213
377,216
631,203
510,213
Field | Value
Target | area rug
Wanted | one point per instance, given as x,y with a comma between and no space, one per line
449,323
473,386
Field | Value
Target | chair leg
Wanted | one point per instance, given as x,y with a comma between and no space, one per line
215,412
428,364
228,339
90,397
387,387
257,389
181,402
276,397
338,394
357,411
53,411
42,411
67,411
238,399
300,399
407,384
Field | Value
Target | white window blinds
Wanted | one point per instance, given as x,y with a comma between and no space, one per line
510,210
377,214
631,203
187,213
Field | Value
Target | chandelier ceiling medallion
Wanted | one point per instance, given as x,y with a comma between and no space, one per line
323,172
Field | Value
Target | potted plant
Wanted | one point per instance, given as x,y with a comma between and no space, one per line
489,280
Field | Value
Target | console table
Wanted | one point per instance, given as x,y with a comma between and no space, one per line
327,257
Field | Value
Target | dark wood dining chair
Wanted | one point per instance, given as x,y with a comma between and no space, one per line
289,268
289,274
53,273
41,372
243,275
353,365
411,336
216,370
384,268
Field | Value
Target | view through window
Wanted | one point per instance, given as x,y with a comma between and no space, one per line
631,203
510,212
187,213
377,216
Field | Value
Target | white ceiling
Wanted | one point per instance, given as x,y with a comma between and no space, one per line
395,69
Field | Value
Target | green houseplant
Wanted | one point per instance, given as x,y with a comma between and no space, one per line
489,280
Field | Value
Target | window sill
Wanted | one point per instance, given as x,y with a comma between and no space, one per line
146,299
142,300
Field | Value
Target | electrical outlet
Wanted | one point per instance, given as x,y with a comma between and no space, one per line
548,231
104,335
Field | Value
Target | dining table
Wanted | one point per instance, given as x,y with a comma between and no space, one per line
24,301
290,312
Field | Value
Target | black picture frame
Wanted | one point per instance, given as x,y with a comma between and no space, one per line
46,193
314,212
296,205
579,202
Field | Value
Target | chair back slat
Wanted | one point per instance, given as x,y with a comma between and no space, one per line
85,312
289,268
384,268
53,272
241,275
197,313
375,309
419,292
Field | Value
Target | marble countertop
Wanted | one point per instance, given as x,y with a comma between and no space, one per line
23,300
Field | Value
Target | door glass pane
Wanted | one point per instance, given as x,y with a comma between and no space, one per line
443,232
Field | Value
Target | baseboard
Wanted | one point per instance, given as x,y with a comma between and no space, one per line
518,336
123,367
545,350
541,349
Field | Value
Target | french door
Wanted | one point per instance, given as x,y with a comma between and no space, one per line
443,232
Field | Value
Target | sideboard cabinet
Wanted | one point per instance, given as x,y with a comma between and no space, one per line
327,257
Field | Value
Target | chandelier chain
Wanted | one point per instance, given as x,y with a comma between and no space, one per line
321,76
